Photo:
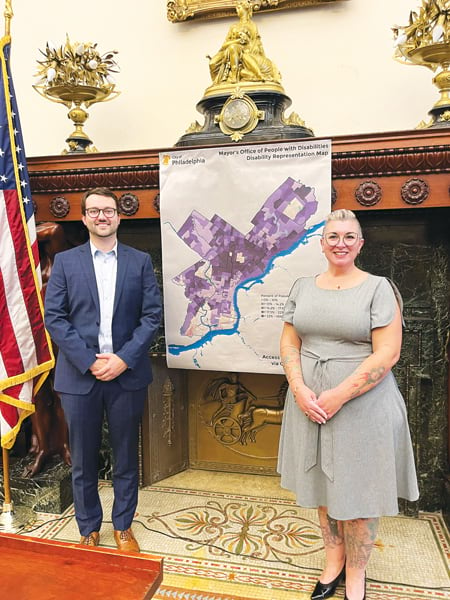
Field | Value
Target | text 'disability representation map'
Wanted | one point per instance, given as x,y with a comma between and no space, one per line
236,234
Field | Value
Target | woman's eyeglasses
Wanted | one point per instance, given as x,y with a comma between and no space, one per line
109,212
349,239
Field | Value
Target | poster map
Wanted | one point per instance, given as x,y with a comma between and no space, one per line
239,225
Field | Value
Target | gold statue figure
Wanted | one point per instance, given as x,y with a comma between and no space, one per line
241,57
245,96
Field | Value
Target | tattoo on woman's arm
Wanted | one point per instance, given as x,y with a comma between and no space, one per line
290,361
289,354
369,379
287,359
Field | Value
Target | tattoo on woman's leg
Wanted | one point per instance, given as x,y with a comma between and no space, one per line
332,532
360,536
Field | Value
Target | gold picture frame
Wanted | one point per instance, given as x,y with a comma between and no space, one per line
186,10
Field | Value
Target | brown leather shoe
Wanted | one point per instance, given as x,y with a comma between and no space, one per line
125,540
93,539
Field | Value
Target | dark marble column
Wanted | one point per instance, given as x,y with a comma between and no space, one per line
412,248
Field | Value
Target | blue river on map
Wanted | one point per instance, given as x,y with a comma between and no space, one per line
176,349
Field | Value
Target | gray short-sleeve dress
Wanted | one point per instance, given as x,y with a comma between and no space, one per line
361,460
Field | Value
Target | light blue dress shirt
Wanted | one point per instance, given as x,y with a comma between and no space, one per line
105,266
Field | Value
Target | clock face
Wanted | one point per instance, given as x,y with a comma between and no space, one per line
236,114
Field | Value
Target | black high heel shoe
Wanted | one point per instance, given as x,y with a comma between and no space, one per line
326,590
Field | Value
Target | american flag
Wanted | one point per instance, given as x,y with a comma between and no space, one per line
25,349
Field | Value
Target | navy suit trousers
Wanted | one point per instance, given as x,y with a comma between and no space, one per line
84,416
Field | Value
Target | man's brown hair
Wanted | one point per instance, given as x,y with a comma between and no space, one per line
101,191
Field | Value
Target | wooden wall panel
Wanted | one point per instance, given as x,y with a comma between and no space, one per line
388,160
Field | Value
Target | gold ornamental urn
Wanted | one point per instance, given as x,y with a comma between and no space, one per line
77,76
426,41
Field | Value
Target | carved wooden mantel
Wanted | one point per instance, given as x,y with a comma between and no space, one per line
408,169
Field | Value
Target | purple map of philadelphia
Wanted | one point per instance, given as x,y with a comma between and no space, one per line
230,259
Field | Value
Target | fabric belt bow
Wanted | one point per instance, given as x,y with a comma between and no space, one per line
320,437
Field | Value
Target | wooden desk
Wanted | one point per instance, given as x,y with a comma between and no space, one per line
36,569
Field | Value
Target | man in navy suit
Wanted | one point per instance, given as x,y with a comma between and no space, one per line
102,310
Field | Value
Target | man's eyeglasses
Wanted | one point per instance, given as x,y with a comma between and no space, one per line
109,212
349,239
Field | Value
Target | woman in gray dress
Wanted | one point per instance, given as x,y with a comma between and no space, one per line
345,446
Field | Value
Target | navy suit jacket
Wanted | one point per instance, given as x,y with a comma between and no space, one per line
72,317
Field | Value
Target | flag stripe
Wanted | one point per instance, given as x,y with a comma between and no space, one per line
30,330
8,412
25,349
15,309
12,359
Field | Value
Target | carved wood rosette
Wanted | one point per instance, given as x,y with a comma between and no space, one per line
368,193
156,203
333,195
415,191
128,204
59,207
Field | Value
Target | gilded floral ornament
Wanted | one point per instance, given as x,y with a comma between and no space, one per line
194,127
294,119
426,41
76,64
178,10
77,74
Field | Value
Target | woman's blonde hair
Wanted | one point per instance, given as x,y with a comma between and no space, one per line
343,214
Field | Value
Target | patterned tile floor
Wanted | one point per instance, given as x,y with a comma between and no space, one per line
241,537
